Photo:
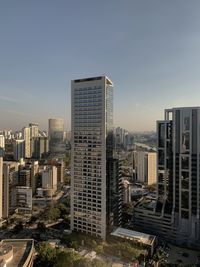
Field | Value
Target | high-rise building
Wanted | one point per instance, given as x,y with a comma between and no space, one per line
34,175
114,193
21,199
19,149
10,180
56,134
34,130
92,146
39,147
24,177
49,178
176,212
2,141
145,164
26,134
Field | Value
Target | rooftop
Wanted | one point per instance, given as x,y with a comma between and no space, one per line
21,250
133,235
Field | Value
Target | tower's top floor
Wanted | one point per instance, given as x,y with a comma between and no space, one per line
93,79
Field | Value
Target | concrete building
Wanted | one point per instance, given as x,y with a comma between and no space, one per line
17,252
92,145
126,192
146,241
21,199
2,141
34,130
56,134
26,134
175,214
34,175
60,171
114,193
39,147
145,164
19,149
24,177
10,180
49,178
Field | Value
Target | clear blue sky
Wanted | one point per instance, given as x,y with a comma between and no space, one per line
149,48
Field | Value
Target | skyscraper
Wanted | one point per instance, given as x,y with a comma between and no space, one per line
19,149
56,134
176,213
27,141
34,130
92,145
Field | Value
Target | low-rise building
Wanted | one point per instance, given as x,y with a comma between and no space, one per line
147,241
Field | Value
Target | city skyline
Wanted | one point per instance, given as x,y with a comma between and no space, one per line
150,50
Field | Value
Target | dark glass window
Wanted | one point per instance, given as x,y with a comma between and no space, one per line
185,199
185,162
185,180
185,141
161,135
161,157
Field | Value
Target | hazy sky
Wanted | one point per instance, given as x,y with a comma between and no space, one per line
150,49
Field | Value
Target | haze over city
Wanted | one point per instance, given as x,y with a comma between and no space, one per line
150,50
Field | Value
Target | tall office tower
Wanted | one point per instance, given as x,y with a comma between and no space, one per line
56,134
26,134
2,141
34,129
18,149
177,210
179,168
92,145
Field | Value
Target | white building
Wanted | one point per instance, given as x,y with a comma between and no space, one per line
26,133
49,178
2,141
34,130
145,164
92,121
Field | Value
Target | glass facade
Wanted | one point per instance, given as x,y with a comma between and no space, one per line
92,116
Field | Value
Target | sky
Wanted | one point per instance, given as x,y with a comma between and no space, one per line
149,49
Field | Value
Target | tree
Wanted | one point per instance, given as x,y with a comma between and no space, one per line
63,210
52,214
46,256
159,257
99,263
66,259
41,227
83,262
18,227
